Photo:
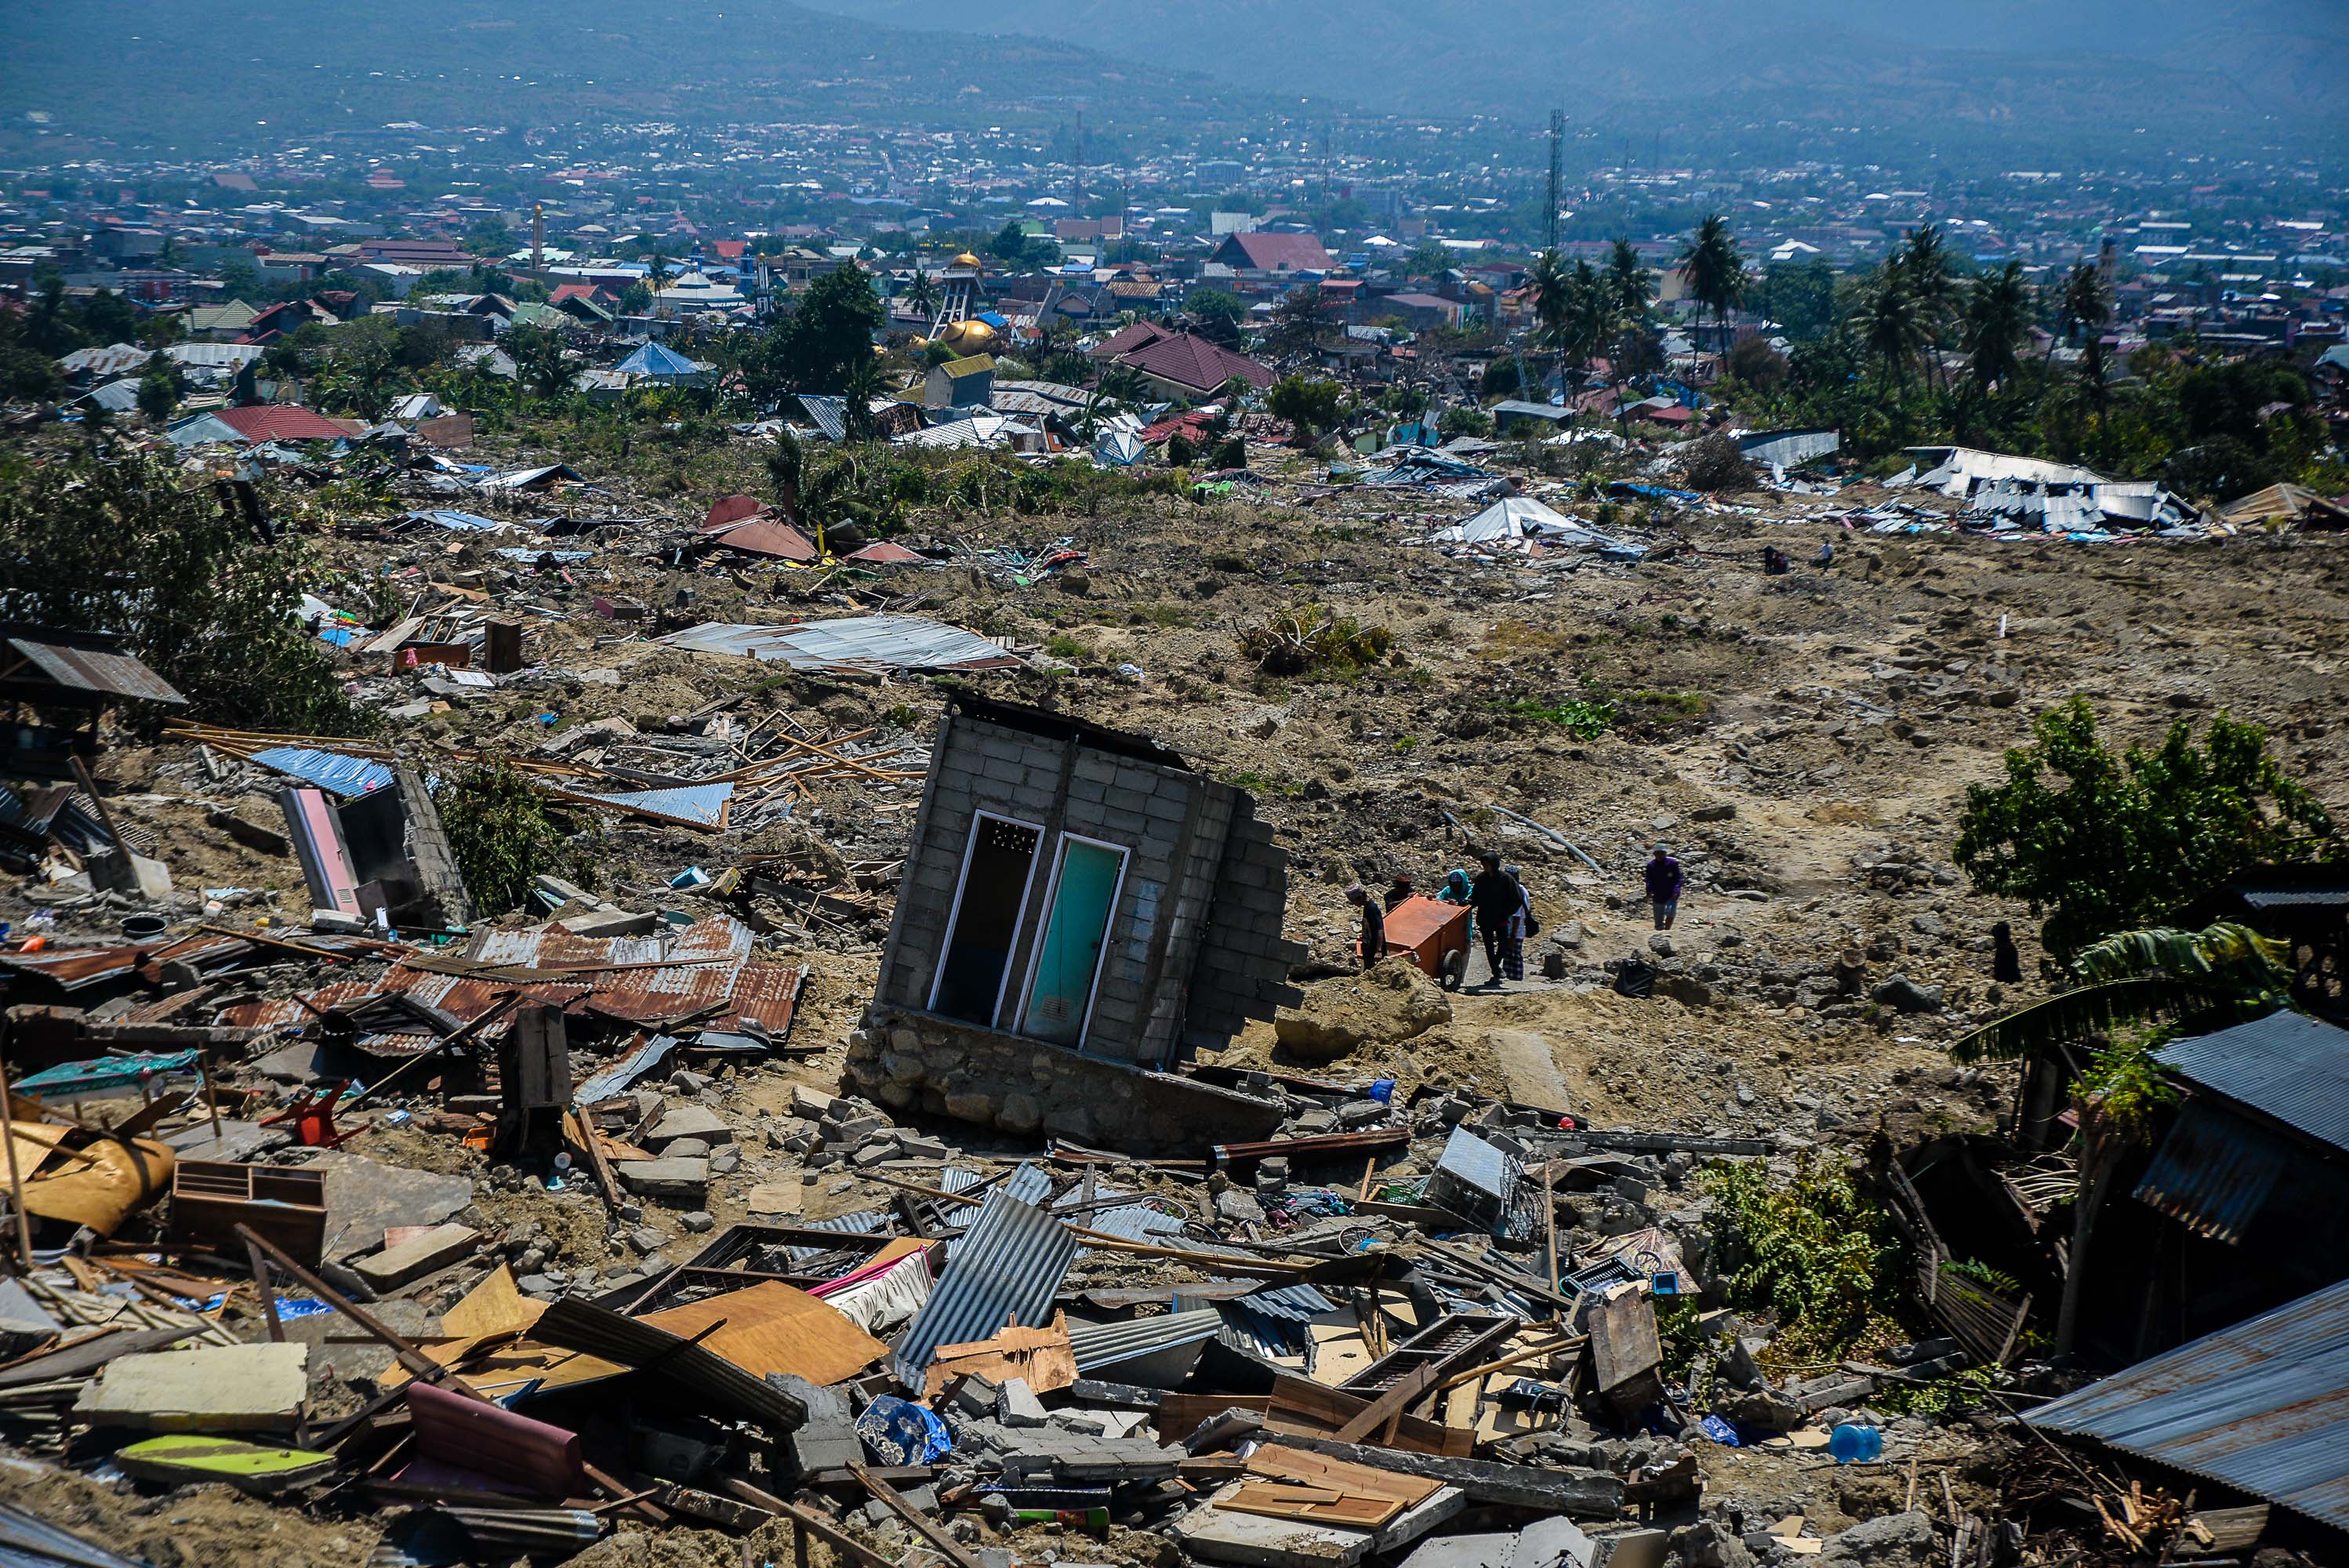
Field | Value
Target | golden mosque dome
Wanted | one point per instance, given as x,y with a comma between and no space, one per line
966,333
967,260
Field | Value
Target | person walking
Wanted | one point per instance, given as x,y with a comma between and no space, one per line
1664,883
1512,945
1496,899
1373,939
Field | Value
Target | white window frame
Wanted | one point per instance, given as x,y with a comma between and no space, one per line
1044,925
954,914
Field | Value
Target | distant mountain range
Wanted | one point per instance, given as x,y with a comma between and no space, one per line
2081,80
214,78
2233,72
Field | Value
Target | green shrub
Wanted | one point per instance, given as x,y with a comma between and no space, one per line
504,836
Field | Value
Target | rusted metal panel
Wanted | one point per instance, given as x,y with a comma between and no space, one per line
96,669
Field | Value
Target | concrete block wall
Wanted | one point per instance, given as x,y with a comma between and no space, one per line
1155,813
1242,969
913,1060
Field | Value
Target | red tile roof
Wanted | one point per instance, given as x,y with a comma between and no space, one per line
280,422
1180,358
1277,252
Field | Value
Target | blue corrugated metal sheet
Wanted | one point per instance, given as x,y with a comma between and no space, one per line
1008,1265
2263,1406
2286,1065
2213,1171
687,805
348,776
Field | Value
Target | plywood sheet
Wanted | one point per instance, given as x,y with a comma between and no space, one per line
773,1327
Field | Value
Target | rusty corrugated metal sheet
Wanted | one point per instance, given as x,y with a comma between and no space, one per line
632,979
97,670
2214,1172
72,967
2261,1406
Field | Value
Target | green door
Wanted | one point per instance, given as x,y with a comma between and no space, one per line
1069,955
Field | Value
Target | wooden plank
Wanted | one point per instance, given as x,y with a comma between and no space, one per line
916,1519
1385,1412
773,1327
1577,1494
1320,1469
1305,1503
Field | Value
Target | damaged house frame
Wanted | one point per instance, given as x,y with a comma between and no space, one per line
1080,913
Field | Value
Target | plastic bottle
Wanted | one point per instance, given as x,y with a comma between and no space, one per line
1854,1444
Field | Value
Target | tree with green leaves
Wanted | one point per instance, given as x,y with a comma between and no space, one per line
1546,281
2130,993
542,366
1997,319
1311,403
1215,314
2099,843
504,834
159,389
1891,324
1631,286
120,542
922,292
1715,268
1928,273
817,346
2084,304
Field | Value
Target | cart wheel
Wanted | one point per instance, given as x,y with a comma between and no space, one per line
1455,969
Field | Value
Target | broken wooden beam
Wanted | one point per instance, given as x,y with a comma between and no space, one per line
1578,1494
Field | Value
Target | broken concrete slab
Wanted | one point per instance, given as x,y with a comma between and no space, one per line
365,1198
1259,1540
668,1178
690,1121
214,1387
417,1256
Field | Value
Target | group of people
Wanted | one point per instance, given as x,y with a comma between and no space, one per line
1501,912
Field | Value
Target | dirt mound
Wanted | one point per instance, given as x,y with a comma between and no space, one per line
1389,1002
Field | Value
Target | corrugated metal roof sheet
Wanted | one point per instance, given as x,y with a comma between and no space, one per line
2288,1065
346,776
2263,1406
637,979
1009,1265
1297,1303
1107,1344
2213,1172
699,806
862,1223
855,642
114,673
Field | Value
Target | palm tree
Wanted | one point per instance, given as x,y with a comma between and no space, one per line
1588,319
1630,285
2085,304
1890,324
922,294
2182,983
1997,314
1932,283
1715,269
1546,283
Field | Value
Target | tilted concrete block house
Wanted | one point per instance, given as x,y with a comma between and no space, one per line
1080,913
